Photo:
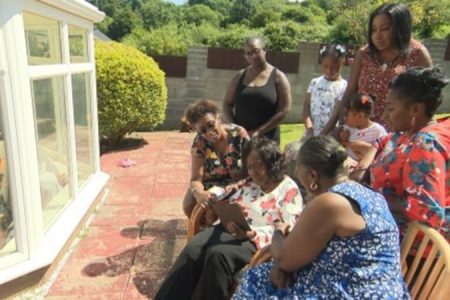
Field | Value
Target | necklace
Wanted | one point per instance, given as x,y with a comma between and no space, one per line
387,60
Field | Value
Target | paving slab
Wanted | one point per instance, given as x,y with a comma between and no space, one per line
140,228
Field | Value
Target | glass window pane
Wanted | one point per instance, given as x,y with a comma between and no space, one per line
43,40
83,126
52,146
78,44
7,235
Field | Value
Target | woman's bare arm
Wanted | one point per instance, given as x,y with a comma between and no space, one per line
424,57
196,185
228,102
327,215
307,115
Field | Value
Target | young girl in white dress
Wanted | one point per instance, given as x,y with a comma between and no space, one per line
324,91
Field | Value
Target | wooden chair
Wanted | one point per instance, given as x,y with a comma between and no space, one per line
427,273
195,221
261,256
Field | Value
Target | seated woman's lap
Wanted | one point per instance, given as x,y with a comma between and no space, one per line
215,240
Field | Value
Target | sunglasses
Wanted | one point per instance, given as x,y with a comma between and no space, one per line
210,125
253,52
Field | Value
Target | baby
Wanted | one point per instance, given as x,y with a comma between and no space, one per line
359,133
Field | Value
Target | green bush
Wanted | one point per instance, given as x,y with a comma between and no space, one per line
131,90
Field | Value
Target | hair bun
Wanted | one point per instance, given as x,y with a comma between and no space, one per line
338,157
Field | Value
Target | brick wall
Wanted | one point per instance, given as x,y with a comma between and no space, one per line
203,82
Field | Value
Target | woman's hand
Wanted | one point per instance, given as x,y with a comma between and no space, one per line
309,132
231,189
238,232
253,133
282,227
344,135
279,278
202,198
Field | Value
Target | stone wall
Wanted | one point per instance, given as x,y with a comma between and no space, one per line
202,82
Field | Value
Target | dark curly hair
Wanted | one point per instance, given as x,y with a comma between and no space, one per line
401,22
421,85
336,51
270,154
199,109
361,103
324,155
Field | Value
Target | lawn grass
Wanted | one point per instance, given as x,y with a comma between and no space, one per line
291,132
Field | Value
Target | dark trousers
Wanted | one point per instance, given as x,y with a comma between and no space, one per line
205,267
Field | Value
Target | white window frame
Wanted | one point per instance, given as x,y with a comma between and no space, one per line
35,247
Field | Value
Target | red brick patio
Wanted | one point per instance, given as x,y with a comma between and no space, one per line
140,227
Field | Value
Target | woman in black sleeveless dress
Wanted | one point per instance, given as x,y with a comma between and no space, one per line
259,96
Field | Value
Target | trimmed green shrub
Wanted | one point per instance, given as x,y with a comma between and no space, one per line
131,91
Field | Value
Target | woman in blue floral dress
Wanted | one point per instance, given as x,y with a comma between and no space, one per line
345,244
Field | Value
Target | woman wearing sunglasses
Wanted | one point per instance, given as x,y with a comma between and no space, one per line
216,153
259,96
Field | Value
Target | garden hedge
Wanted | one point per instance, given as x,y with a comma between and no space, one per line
131,91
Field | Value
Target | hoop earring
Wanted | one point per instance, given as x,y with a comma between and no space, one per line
313,186
413,122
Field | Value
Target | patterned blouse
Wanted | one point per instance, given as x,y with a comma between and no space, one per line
414,172
284,203
374,77
218,169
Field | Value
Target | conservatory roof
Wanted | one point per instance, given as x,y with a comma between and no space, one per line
80,8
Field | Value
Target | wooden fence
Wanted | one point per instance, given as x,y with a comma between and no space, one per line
233,59
173,66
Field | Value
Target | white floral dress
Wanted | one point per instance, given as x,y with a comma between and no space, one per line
284,203
324,95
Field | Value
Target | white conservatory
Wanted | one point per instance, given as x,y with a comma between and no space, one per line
49,154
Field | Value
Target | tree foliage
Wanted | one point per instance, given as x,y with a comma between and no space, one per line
199,13
430,18
123,23
226,23
158,14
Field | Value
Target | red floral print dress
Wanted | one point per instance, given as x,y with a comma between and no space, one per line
375,77
413,172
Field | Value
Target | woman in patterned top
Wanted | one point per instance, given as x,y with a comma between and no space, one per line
344,246
216,153
206,266
390,51
412,167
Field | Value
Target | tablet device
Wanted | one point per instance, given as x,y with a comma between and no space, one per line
230,212
220,193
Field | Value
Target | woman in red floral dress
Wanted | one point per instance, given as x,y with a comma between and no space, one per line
390,51
412,165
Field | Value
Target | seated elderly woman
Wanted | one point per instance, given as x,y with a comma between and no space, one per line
216,153
206,266
345,244
412,167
